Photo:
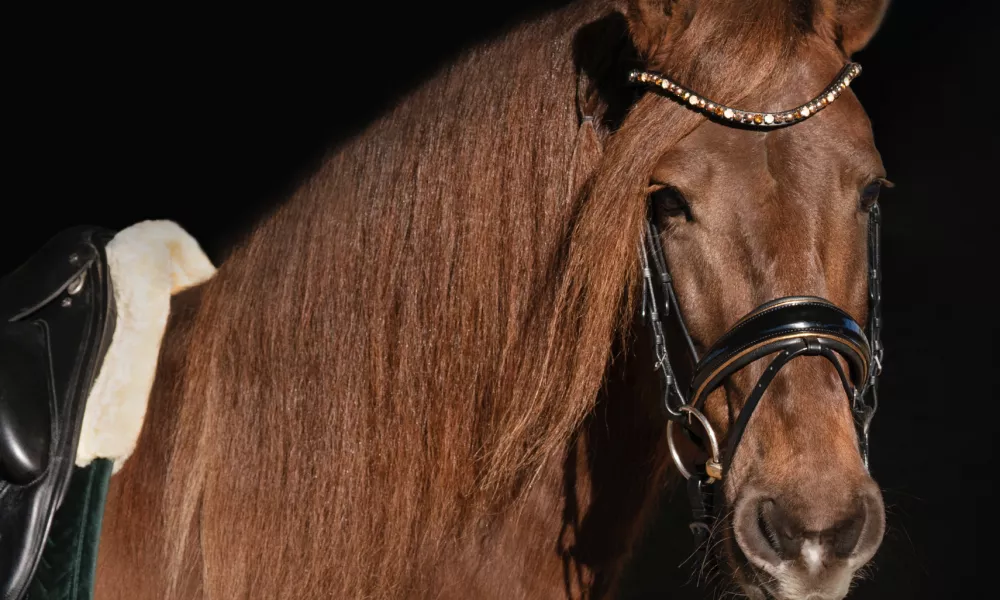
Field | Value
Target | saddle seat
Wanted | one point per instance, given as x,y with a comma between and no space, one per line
57,317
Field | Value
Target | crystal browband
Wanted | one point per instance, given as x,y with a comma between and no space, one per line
762,119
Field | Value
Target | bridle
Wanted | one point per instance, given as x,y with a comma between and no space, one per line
787,327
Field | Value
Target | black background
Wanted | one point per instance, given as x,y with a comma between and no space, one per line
210,118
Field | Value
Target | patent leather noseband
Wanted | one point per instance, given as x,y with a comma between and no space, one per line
789,327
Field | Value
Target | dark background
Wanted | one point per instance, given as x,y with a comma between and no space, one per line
209,119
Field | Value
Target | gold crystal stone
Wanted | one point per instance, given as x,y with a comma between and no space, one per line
758,119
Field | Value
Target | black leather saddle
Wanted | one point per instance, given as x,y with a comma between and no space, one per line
57,316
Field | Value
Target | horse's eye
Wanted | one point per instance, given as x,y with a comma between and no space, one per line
669,202
870,193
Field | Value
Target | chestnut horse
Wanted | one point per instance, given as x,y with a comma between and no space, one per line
424,375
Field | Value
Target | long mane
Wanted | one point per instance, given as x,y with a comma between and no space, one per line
390,358
388,349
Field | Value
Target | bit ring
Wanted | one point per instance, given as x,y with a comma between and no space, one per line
713,467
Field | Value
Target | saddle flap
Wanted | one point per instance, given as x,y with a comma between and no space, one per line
25,403
57,316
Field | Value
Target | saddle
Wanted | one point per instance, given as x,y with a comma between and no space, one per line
57,316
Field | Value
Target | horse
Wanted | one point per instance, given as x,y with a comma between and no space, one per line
429,372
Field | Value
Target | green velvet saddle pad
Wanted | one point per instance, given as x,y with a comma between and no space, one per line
69,562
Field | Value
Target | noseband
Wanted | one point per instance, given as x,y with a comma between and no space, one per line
787,327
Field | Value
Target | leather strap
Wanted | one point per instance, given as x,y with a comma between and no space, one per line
804,347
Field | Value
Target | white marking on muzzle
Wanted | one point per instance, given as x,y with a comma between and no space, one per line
812,554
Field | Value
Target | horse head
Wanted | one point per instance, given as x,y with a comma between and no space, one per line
749,208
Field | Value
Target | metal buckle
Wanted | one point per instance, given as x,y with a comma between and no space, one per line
713,467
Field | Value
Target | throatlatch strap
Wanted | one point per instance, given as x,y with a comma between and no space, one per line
69,562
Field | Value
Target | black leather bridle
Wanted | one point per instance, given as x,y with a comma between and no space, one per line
787,328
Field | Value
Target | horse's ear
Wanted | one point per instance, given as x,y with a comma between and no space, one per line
856,21
651,23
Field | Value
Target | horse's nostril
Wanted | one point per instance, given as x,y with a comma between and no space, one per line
843,538
779,530
768,530
755,533
863,539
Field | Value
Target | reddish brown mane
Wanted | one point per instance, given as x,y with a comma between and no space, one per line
378,373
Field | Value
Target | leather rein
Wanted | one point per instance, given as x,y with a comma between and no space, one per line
788,328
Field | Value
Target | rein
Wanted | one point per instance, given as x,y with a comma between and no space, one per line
788,327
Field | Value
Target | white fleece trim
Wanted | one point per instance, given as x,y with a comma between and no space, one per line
149,262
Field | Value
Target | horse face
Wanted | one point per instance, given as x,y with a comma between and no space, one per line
750,217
